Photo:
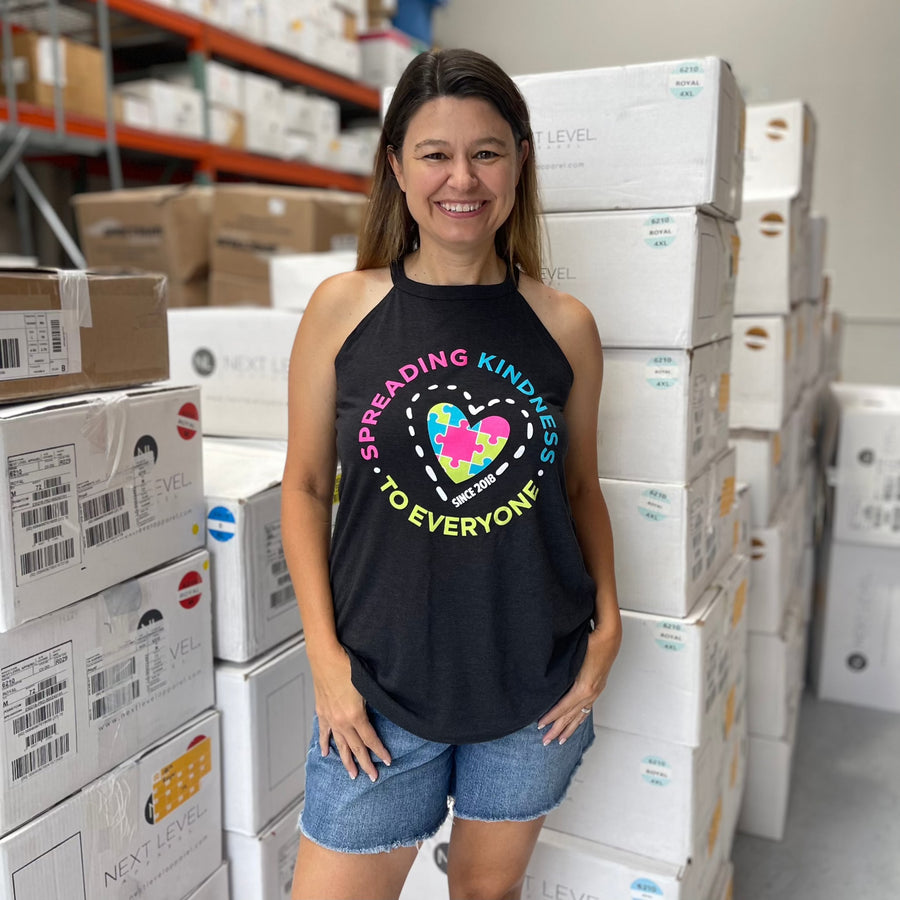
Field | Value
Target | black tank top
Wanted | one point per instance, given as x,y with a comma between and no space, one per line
460,592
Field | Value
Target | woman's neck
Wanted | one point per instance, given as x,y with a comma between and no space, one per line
442,268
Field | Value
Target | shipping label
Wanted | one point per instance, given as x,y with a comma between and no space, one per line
36,344
279,587
38,712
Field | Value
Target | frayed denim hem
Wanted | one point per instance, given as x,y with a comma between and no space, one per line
532,816
384,848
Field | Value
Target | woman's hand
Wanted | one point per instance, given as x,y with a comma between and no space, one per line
342,717
569,713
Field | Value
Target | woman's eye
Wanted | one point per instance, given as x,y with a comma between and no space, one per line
436,155
486,154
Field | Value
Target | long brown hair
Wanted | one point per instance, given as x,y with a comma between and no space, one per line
389,232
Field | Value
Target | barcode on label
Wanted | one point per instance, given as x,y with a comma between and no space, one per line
40,757
38,737
107,530
48,534
43,514
106,706
38,716
9,353
50,490
113,675
48,688
55,336
44,557
282,596
103,505
279,567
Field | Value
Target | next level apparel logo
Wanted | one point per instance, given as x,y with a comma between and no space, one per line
464,442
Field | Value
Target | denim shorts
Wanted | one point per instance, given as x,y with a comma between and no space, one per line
513,778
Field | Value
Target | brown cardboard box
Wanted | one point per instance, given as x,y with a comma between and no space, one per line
68,332
251,223
226,289
188,293
81,66
157,229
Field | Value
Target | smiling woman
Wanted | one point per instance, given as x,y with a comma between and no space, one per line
449,671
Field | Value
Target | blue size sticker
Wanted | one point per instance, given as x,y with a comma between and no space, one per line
686,80
645,889
220,523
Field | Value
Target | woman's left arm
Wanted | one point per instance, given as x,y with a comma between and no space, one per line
581,344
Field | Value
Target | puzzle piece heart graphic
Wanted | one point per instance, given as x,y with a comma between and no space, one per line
465,450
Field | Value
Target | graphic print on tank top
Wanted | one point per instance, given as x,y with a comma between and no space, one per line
477,436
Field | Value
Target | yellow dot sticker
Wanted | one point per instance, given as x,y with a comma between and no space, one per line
180,780
724,391
714,827
730,702
337,489
727,496
195,529
740,601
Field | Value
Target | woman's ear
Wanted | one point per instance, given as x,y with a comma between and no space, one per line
524,150
396,167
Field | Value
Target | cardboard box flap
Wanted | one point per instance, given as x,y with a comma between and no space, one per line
240,472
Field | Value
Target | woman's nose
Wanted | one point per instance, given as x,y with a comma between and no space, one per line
462,173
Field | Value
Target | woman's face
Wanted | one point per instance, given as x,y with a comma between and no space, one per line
458,167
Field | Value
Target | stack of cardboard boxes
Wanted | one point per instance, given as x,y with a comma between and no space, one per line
639,227
778,383
111,750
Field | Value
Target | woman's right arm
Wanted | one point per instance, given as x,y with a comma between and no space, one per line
306,502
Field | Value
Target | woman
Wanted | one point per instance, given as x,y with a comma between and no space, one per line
464,617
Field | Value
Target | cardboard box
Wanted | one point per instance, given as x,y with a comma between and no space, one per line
741,519
252,223
226,289
859,662
384,55
214,888
294,277
254,604
226,127
817,238
639,137
88,686
80,73
145,828
867,495
684,529
661,278
773,275
771,569
677,392
658,796
311,114
158,229
767,789
189,294
263,865
734,579
780,151
97,488
762,390
815,319
723,887
240,359
65,332
267,711
665,681
175,109
224,86
762,466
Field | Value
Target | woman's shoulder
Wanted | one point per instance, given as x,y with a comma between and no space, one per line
342,301
566,318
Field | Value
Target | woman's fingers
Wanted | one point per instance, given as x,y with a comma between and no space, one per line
354,743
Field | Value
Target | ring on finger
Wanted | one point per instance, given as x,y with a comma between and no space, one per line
585,710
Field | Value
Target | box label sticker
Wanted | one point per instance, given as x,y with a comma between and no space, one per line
660,231
645,889
656,771
662,372
38,711
686,80
280,588
180,780
44,511
654,505
107,508
221,524
671,636
37,344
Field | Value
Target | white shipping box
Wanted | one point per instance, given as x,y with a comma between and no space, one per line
149,828
773,275
239,357
665,683
214,888
294,277
770,584
267,708
780,151
384,55
683,530
174,109
262,865
563,866
254,604
816,237
643,795
639,137
762,389
85,687
97,488
742,519
760,465
657,413
224,85
859,659
867,477
723,887
661,278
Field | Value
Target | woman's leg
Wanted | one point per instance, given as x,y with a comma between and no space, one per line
487,860
321,873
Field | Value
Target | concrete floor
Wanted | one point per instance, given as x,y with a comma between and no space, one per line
842,838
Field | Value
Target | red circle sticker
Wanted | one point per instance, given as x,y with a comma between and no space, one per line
188,421
190,589
197,740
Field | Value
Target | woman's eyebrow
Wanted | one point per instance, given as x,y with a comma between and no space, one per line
436,142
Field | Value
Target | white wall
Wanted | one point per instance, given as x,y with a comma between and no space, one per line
842,57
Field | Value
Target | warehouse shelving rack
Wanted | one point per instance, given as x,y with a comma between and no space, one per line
26,129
